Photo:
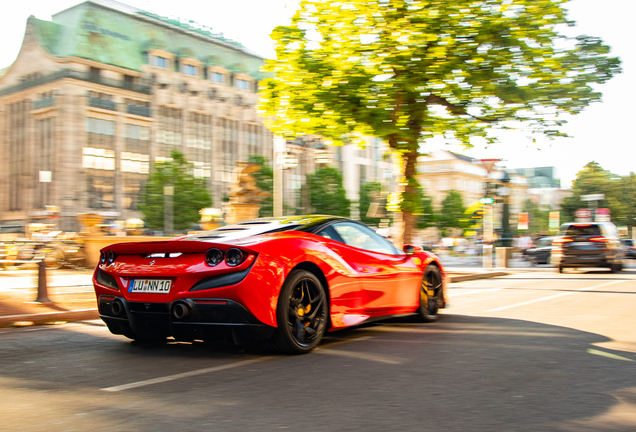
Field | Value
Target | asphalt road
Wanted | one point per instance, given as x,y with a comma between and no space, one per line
532,351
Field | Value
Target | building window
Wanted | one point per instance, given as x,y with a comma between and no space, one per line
159,61
199,143
135,164
217,77
254,140
202,169
18,160
242,84
169,131
443,185
46,147
99,162
189,70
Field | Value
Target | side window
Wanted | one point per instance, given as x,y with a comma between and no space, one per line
329,233
362,237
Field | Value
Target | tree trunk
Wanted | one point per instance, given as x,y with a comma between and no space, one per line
407,219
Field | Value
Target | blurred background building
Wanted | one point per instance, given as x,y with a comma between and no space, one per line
105,90
442,171
99,94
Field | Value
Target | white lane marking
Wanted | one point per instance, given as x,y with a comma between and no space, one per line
358,355
477,291
553,297
608,355
184,375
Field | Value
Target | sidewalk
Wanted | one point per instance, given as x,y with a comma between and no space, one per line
73,299
70,291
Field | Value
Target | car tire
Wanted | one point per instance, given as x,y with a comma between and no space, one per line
560,268
616,268
302,314
429,305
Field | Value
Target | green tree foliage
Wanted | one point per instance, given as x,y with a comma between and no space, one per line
408,70
371,193
265,181
427,218
190,194
628,196
593,179
453,213
327,193
538,220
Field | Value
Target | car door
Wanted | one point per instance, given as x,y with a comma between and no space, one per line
390,279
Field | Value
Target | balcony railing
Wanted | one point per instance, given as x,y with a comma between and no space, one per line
44,102
139,110
82,76
102,103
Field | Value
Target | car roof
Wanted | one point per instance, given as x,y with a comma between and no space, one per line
267,225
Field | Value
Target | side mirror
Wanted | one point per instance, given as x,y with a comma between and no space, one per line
408,249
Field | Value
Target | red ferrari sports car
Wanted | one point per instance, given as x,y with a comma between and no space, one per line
284,280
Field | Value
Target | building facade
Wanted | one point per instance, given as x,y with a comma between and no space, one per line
102,92
442,171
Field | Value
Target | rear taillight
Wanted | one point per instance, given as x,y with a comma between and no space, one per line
600,239
562,240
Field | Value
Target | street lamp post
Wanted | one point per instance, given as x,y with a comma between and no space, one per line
506,239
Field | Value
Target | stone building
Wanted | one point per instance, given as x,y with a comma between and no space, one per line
442,170
103,91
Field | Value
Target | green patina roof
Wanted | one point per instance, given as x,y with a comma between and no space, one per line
118,38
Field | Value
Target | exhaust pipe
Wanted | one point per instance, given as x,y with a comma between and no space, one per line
181,311
117,307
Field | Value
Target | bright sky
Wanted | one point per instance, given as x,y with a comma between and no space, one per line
601,133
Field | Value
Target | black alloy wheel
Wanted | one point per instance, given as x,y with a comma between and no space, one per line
431,294
301,314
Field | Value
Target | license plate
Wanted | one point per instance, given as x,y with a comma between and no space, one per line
161,286
582,244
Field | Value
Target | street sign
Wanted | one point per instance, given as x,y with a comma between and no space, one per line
602,215
583,213
486,200
489,163
592,197
523,221
554,220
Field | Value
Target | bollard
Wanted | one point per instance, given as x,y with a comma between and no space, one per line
487,256
43,290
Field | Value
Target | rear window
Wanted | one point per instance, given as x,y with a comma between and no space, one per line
583,230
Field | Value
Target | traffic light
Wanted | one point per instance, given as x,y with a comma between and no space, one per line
478,214
492,189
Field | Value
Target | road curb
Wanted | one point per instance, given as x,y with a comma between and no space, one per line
42,318
475,276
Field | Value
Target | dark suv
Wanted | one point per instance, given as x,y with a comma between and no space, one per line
588,244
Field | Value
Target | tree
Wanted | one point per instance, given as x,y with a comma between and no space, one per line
538,220
190,194
453,211
407,70
427,217
593,179
326,192
265,181
370,194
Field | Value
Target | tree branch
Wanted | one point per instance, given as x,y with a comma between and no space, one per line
456,109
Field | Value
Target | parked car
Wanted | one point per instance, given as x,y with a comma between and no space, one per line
629,247
540,252
283,280
589,244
